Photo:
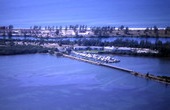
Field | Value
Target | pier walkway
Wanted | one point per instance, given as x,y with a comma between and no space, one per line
147,76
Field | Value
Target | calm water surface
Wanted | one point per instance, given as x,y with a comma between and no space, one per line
109,39
41,82
156,66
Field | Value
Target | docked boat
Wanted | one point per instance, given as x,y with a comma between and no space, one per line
106,59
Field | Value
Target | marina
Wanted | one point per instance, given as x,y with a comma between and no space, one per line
96,57
69,84
161,79
84,55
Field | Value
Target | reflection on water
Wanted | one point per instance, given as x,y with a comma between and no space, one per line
41,82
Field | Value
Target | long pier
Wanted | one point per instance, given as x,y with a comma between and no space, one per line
146,76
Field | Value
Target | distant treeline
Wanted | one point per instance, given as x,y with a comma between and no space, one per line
163,48
94,31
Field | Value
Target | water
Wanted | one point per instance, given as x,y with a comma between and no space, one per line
41,82
156,66
109,39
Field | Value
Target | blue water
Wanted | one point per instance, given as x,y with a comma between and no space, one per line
41,82
156,66
109,39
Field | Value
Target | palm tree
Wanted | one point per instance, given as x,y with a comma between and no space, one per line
121,27
10,28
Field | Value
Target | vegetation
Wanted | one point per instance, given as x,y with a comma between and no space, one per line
21,49
105,31
102,31
163,48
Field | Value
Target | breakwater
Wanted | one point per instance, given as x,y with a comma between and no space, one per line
161,79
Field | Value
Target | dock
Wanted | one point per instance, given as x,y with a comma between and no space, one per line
160,79
81,59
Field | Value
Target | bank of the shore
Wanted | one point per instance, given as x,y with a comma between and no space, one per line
12,49
34,49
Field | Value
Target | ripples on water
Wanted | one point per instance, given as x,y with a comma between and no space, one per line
41,82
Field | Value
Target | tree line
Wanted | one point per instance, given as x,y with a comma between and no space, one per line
99,31
163,48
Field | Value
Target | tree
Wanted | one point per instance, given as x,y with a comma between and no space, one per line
35,27
3,34
158,44
45,27
126,30
60,28
142,44
41,41
66,28
146,30
53,28
49,28
10,27
167,29
57,32
39,27
121,27
56,27
155,29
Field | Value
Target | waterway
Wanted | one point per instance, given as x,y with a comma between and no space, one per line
151,65
42,81
107,39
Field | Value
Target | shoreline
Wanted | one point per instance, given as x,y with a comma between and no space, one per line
85,31
161,79
115,36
